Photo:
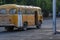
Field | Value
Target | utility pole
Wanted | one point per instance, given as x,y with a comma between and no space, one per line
54,16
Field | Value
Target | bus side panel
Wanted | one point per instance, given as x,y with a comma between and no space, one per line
24,18
15,20
40,17
11,19
30,19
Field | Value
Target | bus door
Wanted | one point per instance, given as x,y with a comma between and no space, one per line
19,18
36,17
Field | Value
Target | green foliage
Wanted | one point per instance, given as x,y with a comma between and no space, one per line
44,4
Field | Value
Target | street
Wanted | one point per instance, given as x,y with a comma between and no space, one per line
45,33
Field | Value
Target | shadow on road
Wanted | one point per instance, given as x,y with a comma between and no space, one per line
14,31
57,32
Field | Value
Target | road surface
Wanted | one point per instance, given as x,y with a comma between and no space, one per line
45,33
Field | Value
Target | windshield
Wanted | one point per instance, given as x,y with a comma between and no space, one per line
3,11
40,12
12,11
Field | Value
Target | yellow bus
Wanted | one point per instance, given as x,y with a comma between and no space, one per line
20,16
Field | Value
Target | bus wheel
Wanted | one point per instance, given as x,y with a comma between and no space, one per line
38,26
10,28
25,24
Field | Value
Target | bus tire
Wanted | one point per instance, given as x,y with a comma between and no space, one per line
25,24
10,28
38,26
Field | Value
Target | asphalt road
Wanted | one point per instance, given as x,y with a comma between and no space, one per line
45,33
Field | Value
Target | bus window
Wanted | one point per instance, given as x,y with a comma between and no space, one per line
12,11
3,11
29,11
40,12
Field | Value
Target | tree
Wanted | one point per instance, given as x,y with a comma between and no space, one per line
44,4
9,1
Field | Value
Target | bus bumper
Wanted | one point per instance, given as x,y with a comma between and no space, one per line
6,25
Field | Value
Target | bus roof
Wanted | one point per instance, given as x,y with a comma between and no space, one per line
20,6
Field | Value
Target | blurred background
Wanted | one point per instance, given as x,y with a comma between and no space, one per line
46,5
